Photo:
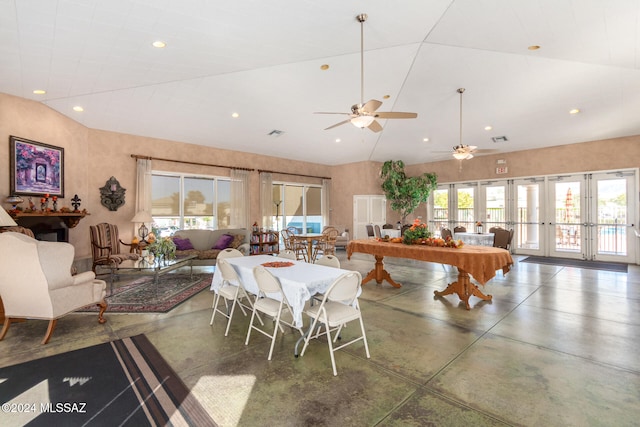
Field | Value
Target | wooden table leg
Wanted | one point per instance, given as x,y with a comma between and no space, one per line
380,274
464,288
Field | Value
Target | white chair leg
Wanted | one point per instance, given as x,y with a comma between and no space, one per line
216,299
333,359
233,307
246,342
364,338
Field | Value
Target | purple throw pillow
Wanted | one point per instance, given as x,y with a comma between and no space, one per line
223,241
182,244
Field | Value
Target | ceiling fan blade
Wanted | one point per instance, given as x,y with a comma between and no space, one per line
375,126
371,106
338,124
395,115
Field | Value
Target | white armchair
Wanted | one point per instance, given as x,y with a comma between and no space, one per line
36,282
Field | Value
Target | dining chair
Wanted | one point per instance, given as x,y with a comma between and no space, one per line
500,238
290,243
268,284
326,244
459,229
387,226
288,254
370,232
376,231
339,306
232,291
329,261
446,233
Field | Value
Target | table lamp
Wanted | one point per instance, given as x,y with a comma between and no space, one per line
6,220
142,217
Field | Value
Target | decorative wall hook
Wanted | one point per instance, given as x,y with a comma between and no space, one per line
112,194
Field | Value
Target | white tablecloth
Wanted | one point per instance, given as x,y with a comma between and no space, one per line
477,239
299,282
391,232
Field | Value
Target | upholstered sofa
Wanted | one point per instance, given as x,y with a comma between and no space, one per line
204,243
343,235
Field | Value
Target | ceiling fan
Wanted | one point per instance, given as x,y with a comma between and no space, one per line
464,151
364,115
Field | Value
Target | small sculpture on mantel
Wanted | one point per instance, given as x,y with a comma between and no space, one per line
112,194
75,202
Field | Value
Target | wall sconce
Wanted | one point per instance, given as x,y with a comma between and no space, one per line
112,194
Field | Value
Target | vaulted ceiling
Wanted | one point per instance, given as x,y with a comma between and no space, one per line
263,60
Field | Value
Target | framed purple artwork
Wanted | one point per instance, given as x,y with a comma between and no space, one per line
35,168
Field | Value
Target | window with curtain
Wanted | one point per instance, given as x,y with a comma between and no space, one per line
188,202
299,206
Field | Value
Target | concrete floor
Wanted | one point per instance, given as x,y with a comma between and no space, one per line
556,346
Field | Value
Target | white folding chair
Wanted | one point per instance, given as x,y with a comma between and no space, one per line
338,307
329,261
288,254
232,291
270,285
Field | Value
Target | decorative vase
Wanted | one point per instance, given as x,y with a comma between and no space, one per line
479,229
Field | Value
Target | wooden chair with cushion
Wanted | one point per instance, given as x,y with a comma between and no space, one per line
36,282
459,229
446,233
500,238
105,246
326,245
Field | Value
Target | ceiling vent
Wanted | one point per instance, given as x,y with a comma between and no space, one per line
499,139
275,132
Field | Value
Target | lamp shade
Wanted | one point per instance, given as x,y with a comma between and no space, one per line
6,220
142,216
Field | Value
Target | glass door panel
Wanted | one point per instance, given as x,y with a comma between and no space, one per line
440,214
465,197
527,222
567,231
495,206
611,227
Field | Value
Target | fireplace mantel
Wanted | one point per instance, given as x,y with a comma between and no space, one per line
70,219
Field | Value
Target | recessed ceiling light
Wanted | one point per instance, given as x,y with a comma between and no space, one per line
534,47
386,97
338,140
324,67
78,109
425,139
39,92
159,44
235,115
574,111
488,127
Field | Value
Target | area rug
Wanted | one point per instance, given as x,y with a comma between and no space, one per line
141,296
124,382
566,262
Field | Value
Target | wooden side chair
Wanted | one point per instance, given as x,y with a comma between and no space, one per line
105,246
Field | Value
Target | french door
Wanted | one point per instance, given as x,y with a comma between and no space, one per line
584,216
368,210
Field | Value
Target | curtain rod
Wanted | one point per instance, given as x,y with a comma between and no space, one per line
294,174
136,156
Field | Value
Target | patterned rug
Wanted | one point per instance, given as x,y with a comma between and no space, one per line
125,382
141,295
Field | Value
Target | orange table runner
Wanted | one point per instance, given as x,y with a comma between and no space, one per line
481,262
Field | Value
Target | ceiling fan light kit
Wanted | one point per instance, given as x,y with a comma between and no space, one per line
364,115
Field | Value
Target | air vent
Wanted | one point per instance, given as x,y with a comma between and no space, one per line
275,132
499,139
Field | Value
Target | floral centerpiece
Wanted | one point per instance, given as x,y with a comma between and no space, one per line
416,234
163,248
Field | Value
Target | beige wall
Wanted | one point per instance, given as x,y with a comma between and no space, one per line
93,156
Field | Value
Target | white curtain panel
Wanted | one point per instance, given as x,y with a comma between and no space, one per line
143,185
326,207
266,199
239,198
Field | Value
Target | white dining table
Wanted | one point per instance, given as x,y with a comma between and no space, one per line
299,282
477,239
391,232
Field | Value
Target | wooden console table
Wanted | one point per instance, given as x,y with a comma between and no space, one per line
481,262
